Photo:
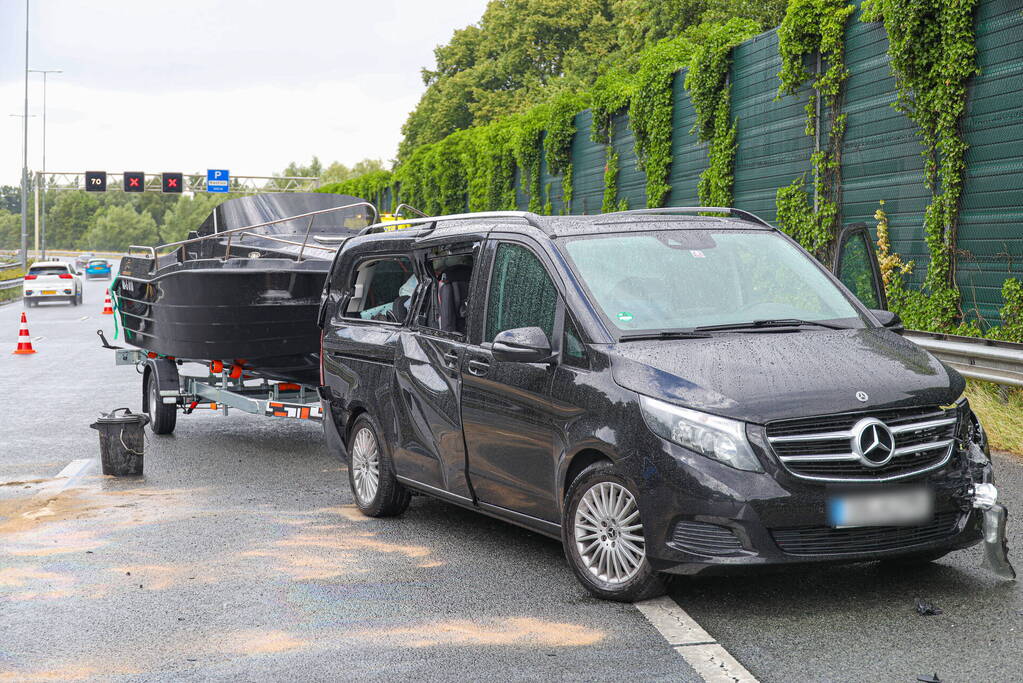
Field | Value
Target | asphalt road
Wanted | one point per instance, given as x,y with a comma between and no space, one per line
240,556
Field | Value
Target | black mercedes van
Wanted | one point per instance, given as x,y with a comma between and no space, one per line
666,391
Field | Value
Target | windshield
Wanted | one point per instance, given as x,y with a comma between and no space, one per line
97,263
56,269
692,278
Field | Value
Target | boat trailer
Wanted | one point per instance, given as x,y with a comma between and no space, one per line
166,392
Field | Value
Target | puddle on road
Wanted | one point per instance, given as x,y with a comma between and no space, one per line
508,631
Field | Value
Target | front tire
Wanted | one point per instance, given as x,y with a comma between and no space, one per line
603,537
377,491
163,417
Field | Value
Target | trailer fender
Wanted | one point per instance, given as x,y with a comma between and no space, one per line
166,373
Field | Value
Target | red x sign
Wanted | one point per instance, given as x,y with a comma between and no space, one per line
134,181
172,182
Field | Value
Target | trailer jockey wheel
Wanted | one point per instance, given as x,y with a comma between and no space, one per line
162,416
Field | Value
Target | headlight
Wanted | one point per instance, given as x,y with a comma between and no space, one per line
709,435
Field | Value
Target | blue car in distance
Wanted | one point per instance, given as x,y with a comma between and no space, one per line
98,268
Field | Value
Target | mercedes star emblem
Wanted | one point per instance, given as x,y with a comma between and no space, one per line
873,442
862,396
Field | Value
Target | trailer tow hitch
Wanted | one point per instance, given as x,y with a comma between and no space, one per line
996,549
106,344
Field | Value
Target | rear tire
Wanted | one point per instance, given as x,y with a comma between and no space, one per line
605,548
376,490
162,416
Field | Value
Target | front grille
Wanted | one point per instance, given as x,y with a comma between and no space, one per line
829,541
821,448
705,539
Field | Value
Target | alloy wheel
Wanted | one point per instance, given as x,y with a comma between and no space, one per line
609,534
366,465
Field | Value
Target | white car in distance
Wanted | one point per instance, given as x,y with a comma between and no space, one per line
52,281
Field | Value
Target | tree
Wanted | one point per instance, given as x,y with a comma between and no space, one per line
115,228
187,214
313,170
10,198
526,52
68,218
10,229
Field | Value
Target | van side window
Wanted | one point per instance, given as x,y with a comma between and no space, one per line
381,289
446,299
521,293
572,350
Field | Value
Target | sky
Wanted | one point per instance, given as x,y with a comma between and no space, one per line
186,85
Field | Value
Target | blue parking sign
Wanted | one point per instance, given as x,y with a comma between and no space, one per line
218,180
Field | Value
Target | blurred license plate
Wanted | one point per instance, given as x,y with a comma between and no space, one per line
904,507
49,291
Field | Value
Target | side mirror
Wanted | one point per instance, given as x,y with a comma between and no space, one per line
522,345
888,319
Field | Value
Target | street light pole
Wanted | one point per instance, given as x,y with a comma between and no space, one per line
42,175
24,159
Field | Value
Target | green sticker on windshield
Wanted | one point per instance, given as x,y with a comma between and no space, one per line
625,316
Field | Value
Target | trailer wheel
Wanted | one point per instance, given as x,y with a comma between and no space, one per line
377,492
162,416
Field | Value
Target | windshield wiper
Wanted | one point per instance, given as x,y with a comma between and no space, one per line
664,334
776,322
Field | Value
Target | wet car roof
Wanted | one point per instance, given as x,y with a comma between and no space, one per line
563,226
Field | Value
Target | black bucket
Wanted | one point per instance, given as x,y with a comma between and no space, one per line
122,442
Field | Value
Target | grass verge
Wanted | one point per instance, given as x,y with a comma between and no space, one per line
1002,419
10,292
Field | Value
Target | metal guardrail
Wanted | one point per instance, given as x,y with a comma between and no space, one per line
5,266
984,359
12,283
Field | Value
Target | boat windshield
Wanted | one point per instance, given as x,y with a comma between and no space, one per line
686,279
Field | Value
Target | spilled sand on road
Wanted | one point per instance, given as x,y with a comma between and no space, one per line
526,631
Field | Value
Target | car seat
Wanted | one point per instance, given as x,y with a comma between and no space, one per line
452,290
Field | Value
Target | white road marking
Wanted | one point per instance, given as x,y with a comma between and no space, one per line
69,476
708,657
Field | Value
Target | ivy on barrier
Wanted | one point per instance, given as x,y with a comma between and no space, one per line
707,85
811,28
933,54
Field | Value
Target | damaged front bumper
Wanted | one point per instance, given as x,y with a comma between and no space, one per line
996,547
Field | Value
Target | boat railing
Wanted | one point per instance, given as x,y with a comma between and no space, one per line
401,207
246,230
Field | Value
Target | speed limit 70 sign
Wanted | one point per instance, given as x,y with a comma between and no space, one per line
95,181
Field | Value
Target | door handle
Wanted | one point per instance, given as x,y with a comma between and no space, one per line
451,359
478,367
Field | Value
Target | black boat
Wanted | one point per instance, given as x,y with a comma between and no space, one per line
244,288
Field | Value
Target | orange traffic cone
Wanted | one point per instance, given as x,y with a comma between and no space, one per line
107,309
24,341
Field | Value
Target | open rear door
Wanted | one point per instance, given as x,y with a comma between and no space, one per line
856,266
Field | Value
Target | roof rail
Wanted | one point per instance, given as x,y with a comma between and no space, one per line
528,216
738,213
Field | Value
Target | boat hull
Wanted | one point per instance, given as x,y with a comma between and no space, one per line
262,312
